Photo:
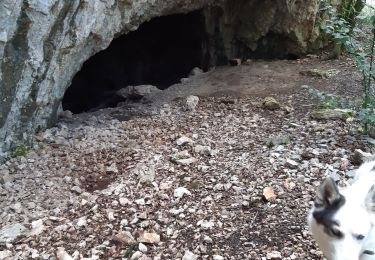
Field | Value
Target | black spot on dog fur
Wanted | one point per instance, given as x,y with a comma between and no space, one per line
324,216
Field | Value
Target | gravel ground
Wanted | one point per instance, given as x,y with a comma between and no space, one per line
230,180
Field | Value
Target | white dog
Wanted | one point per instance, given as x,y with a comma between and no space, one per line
342,220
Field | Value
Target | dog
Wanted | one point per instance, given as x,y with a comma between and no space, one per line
342,220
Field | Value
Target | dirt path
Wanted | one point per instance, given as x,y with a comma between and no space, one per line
121,183
260,78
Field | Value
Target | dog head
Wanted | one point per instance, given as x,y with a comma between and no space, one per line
342,221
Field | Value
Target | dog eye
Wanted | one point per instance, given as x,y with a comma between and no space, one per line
359,237
337,233
334,232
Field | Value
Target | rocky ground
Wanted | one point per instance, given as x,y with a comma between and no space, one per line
230,180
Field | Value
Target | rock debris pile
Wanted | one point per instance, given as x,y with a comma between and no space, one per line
227,179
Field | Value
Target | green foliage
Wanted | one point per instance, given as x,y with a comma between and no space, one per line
194,185
350,9
364,61
20,150
279,139
331,101
341,22
364,18
338,29
367,116
341,28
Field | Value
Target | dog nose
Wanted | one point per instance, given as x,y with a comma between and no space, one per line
368,252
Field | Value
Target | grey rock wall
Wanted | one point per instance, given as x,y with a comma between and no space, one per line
43,43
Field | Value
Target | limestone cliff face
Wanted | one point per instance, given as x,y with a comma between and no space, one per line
43,43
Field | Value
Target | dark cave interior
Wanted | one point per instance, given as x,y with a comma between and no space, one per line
160,52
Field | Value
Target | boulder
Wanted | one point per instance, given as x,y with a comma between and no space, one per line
138,92
324,74
189,256
326,114
149,238
11,232
279,139
360,157
270,103
191,103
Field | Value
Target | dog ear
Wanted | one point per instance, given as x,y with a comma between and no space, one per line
327,193
370,199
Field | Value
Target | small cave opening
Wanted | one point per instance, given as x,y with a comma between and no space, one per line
273,46
160,52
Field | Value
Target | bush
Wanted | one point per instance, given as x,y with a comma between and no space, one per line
341,28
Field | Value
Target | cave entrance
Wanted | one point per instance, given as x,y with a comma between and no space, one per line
159,53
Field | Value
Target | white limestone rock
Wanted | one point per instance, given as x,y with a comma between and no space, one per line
11,232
